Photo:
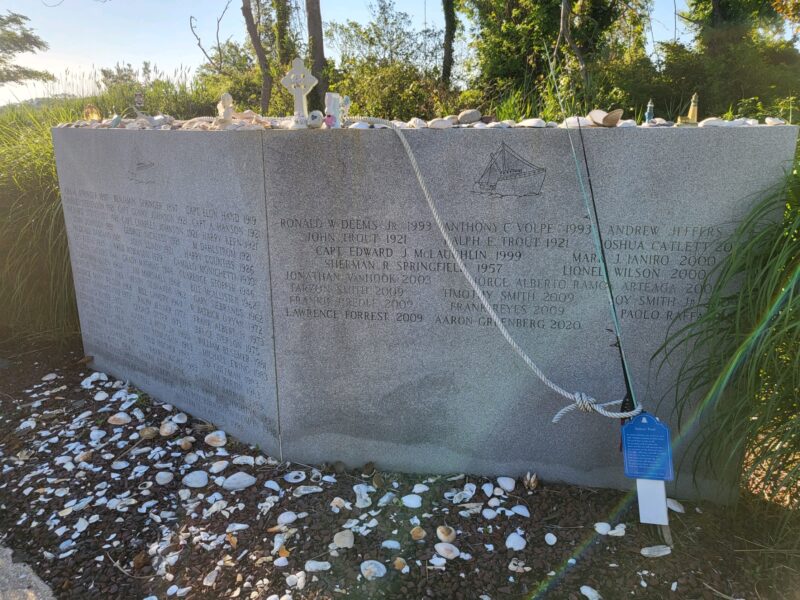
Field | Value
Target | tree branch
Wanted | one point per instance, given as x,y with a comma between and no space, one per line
216,64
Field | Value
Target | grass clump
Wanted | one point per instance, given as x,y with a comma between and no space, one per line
742,356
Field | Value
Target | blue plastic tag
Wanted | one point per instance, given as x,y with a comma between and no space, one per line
646,449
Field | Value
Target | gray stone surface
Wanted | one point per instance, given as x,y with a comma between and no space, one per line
170,259
381,352
18,581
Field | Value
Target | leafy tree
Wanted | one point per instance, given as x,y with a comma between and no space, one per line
17,38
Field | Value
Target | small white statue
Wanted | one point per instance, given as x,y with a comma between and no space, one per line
333,110
225,107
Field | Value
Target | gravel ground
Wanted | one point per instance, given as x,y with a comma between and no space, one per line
96,496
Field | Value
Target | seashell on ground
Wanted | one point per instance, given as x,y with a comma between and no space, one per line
590,593
488,489
372,569
656,551
507,483
120,418
164,477
148,433
618,531
217,439
445,533
295,476
238,481
218,466
196,479
400,563
447,551
675,506
304,490
602,528
119,465
186,442
411,501
515,541
96,435
344,539
550,539
418,533
180,418
285,518
167,428
313,566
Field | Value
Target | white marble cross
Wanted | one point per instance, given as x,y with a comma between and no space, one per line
299,81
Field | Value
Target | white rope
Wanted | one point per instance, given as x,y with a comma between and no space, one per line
580,400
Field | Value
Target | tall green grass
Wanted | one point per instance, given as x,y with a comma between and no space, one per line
743,355
37,298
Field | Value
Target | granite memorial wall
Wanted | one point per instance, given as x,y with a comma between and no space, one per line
292,287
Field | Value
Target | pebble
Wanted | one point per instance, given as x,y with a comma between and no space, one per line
217,439
238,481
196,479
411,501
372,569
550,539
471,115
507,483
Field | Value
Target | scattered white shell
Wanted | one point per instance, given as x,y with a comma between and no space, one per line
411,501
618,531
362,494
550,539
295,476
211,577
445,533
417,123
590,593
515,541
488,489
774,121
440,123
196,479
304,490
313,566
372,569
101,395
167,428
164,477
49,377
656,551
507,483
285,518
96,435
217,439
489,513
602,528
521,510
532,123
218,466
120,418
447,551
238,481
420,488
390,544
118,465
344,539
575,122
675,506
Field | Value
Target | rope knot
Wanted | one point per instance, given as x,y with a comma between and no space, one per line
584,402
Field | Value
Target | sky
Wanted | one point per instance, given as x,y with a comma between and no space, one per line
86,35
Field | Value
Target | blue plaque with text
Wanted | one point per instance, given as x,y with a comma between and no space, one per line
646,449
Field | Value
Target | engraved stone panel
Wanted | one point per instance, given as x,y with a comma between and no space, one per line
191,250
167,235
385,354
